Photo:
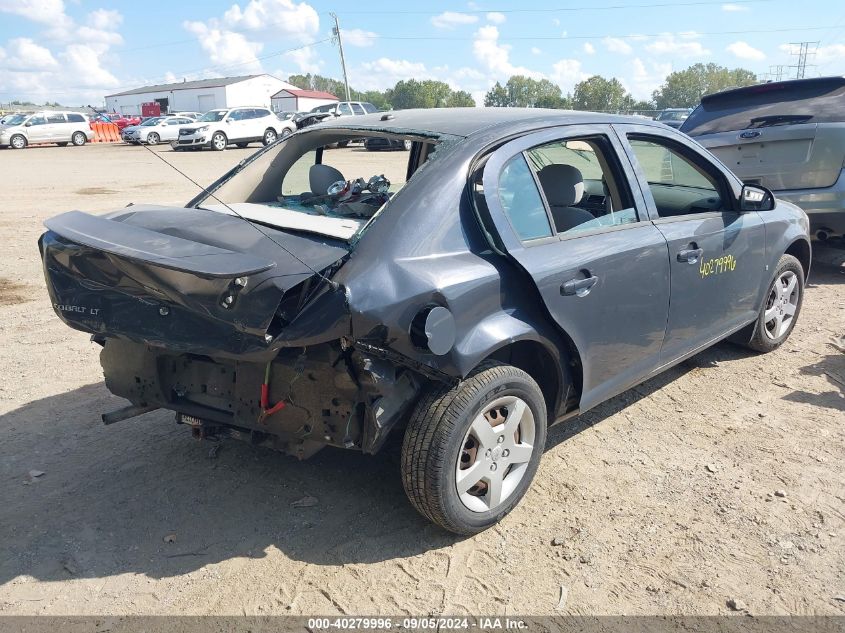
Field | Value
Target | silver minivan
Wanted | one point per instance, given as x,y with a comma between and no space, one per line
788,136
45,127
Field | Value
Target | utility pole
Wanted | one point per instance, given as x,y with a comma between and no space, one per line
336,32
802,53
776,72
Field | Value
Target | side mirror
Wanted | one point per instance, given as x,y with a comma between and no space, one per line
756,198
27,124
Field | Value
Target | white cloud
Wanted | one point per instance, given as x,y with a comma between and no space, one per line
743,50
566,73
495,57
233,51
616,45
494,17
536,51
281,18
644,78
359,37
44,11
589,48
306,60
682,45
68,61
24,55
825,54
733,8
451,19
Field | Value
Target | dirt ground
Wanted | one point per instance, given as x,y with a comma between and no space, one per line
720,479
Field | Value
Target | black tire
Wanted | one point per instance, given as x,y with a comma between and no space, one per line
406,145
285,132
434,442
269,137
758,336
18,141
78,139
218,142
62,144
241,145
153,138
342,144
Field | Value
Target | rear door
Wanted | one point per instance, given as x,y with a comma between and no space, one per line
716,253
786,135
599,265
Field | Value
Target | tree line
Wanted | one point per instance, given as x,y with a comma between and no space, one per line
680,89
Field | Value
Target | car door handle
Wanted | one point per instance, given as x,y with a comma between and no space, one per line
579,287
690,255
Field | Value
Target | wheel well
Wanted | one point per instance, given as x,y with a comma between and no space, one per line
534,359
800,250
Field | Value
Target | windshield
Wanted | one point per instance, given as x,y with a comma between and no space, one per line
16,119
153,121
765,105
673,116
213,115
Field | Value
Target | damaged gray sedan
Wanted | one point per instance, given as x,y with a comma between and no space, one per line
516,268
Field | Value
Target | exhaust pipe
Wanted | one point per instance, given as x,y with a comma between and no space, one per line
823,234
125,413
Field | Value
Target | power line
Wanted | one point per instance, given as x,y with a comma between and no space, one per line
560,9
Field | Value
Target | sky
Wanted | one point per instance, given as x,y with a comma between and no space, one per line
77,51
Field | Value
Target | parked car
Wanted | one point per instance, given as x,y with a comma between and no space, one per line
788,136
240,126
347,108
120,120
45,127
156,130
544,262
194,116
673,117
376,144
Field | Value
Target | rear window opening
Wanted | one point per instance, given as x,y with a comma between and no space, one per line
324,182
783,103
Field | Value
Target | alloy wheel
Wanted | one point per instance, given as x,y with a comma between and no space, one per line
781,305
495,454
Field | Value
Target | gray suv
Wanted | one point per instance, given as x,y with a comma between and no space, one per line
788,136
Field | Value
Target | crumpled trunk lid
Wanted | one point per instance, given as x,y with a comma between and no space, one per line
185,279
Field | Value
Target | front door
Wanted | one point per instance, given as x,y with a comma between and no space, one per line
716,253
562,203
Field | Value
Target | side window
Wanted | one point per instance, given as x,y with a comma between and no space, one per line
678,185
521,200
344,108
38,120
56,118
357,108
259,114
236,115
583,184
369,107
75,118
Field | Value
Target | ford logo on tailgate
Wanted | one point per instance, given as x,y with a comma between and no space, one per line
750,134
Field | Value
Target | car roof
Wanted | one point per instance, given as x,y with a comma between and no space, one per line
468,121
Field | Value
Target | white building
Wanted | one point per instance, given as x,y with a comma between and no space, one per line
296,100
201,95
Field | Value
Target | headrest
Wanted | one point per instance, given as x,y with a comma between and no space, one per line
321,177
562,184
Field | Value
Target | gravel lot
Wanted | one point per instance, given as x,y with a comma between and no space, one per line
721,479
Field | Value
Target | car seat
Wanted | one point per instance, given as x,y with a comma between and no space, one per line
564,188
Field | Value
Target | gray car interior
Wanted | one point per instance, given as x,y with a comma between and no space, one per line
564,188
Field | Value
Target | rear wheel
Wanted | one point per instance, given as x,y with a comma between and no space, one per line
270,136
780,310
153,138
219,141
285,132
471,451
17,142
78,139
